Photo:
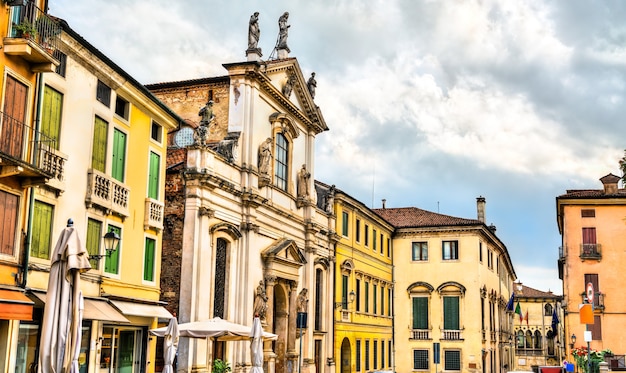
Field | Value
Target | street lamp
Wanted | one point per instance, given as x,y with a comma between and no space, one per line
111,239
351,297
573,341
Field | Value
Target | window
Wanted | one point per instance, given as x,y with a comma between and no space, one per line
420,360
489,259
450,250
382,354
537,340
420,313
358,355
480,252
593,280
94,235
420,251
42,230
547,309
451,313
389,352
51,117
99,147
389,302
596,328
153,176
62,58
375,354
319,299
8,217
344,223
367,235
589,241
358,295
344,292
367,296
119,155
121,107
452,360
357,232
374,239
282,153
382,300
588,213
388,247
103,93
381,243
367,355
374,296
112,262
156,132
148,259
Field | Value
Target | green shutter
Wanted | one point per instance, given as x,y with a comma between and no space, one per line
374,296
344,292
153,176
420,313
119,155
367,297
94,236
148,260
41,232
98,156
51,117
111,264
451,313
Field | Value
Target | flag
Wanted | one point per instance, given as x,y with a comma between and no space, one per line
518,310
555,322
509,306
526,317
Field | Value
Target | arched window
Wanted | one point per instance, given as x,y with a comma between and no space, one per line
520,339
529,339
220,277
537,342
547,309
282,161
318,298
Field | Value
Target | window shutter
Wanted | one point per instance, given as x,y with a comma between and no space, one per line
148,266
420,313
119,155
51,116
451,313
94,233
42,225
98,157
111,264
8,216
153,176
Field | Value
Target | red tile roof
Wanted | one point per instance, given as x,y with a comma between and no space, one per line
593,193
528,292
412,217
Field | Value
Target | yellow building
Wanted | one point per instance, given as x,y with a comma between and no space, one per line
363,297
539,338
453,278
592,227
105,149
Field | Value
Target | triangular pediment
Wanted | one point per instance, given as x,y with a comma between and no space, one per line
284,250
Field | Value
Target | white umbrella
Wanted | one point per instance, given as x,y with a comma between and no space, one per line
170,344
256,347
216,328
61,318
77,333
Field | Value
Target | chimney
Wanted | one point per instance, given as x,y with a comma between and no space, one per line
480,207
384,202
610,183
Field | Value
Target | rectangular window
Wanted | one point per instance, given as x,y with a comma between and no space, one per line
375,354
367,235
112,262
588,213
156,132
382,240
42,230
450,250
358,295
121,107
367,296
281,161
388,247
389,299
358,355
382,354
452,360
148,259
153,176
389,352
357,232
480,251
451,313
345,220
382,301
420,251
103,93
94,237
344,292
374,239
119,155
51,117
8,216
367,355
420,360
489,258
596,328
420,312
374,295
62,58
99,147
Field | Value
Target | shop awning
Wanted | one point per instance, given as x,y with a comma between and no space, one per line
95,309
142,310
15,305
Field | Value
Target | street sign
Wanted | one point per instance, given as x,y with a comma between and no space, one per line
436,353
590,292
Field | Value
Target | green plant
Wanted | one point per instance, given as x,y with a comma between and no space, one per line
581,354
220,366
26,28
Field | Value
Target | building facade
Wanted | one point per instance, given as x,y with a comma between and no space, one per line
591,224
364,285
453,278
243,233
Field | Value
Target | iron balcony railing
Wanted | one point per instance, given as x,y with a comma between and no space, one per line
30,22
591,251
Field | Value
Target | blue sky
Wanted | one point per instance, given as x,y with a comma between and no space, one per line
429,103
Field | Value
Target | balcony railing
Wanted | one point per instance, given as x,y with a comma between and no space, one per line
107,193
420,334
529,351
153,214
591,251
33,34
451,335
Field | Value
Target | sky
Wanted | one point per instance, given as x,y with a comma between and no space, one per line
429,103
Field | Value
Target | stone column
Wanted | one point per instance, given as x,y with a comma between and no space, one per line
292,352
268,353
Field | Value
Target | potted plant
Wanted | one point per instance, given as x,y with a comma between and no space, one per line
26,29
221,366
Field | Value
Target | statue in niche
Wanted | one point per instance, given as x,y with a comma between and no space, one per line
303,182
283,30
260,301
303,301
265,157
254,32
330,200
206,114
288,87
312,84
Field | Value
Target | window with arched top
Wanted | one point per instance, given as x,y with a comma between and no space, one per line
282,162
529,339
220,277
319,287
547,309
537,340
520,339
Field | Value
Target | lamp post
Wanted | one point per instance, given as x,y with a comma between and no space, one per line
111,239
351,297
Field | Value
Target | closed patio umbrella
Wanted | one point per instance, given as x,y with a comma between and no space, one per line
170,344
60,330
215,328
256,346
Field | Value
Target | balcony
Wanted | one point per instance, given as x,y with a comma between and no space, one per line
153,214
18,158
528,351
420,334
106,193
451,335
591,251
33,36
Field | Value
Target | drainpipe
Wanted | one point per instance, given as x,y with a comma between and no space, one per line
31,191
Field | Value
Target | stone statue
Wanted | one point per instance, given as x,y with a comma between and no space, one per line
303,301
283,29
265,156
206,114
201,135
288,87
330,199
254,32
260,301
303,182
312,84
